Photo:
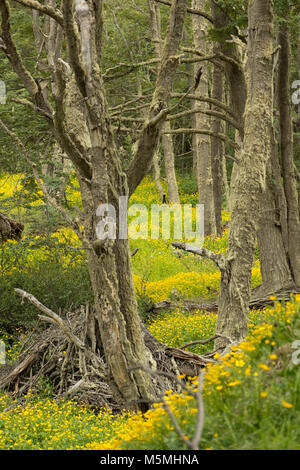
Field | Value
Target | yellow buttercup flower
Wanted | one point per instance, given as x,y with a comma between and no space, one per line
273,357
286,404
263,367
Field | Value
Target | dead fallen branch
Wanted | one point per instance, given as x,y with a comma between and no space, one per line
255,302
202,342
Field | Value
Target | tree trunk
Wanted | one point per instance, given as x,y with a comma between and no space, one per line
202,121
236,277
286,135
169,158
274,266
156,169
109,259
167,139
217,146
237,83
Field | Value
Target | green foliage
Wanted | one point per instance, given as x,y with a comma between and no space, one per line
145,304
237,16
57,286
187,184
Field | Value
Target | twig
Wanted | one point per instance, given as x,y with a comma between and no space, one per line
194,443
204,341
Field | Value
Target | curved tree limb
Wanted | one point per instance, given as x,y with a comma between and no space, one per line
53,316
17,64
54,13
220,136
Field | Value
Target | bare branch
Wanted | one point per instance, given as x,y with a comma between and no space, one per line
52,201
16,62
32,106
148,140
220,136
193,11
217,114
73,45
206,99
200,418
203,341
54,13
176,425
217,55
219,260
53,316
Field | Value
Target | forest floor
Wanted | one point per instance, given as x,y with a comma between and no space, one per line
251,395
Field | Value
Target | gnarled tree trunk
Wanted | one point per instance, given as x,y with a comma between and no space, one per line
236,275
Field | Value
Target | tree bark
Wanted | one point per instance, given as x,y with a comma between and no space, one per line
274,266
217,146
236,277
202,121
109,262
286,138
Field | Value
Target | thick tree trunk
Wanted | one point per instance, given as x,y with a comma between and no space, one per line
237,83
116,319
236,277
274,266
202,121
297,140
119,325
286,132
